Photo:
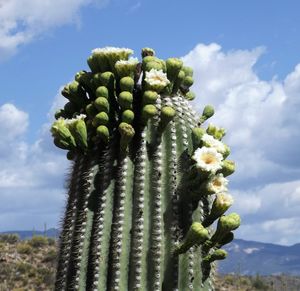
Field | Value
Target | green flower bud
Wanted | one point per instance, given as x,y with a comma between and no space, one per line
101,104
79,131
226,224
60,130
125,100
216,255
174,66
102,91
153,65
148,111
128,116
107,79
127,84
100,119
103,133
127,132
91,110
150,63
216,132
167,114
208,112
188,81
150,97
196,235
228,168
190,95
188,71
146,51
220,205
197,133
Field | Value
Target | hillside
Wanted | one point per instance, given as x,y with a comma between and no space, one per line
29,265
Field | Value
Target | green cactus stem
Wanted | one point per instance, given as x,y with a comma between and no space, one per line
145,181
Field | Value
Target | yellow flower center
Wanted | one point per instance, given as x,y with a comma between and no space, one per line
217,183
208,159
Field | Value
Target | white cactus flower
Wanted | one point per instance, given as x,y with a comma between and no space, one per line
208,159
222,202
112,50
131,61
217,183
157,78
210,141
78,117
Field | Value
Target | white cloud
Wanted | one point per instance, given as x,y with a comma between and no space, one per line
13,122
24,20
283,231
31,175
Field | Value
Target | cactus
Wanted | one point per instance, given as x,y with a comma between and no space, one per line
145,172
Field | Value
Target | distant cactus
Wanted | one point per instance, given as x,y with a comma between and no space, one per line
145,172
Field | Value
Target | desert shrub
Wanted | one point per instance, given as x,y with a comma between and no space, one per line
259,284
51,241
50,257
38,241
10,238
24,248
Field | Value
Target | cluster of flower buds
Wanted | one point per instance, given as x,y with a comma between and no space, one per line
207,177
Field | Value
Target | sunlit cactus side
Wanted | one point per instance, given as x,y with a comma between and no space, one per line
147,181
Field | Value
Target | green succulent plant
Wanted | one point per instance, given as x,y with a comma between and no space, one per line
147,181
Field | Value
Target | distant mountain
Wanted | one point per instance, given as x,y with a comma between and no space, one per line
244,257
27,234
250,258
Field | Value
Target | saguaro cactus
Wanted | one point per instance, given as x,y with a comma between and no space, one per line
148,179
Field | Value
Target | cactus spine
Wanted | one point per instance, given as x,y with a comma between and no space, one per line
147,182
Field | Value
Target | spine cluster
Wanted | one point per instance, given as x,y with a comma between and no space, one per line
148,178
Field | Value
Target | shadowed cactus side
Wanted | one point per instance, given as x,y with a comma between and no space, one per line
148,180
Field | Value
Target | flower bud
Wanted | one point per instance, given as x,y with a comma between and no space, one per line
101,104
125,100
102,91
208,112
220,205
127,84
228,168
216,132
174,66
146,51
226,224
188,71
103,133
128,116
196,235
100,119
197,133
148,111
150,97
127,132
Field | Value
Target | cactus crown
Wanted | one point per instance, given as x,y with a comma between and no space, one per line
144,177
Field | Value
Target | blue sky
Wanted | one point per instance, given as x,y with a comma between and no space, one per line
244,54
